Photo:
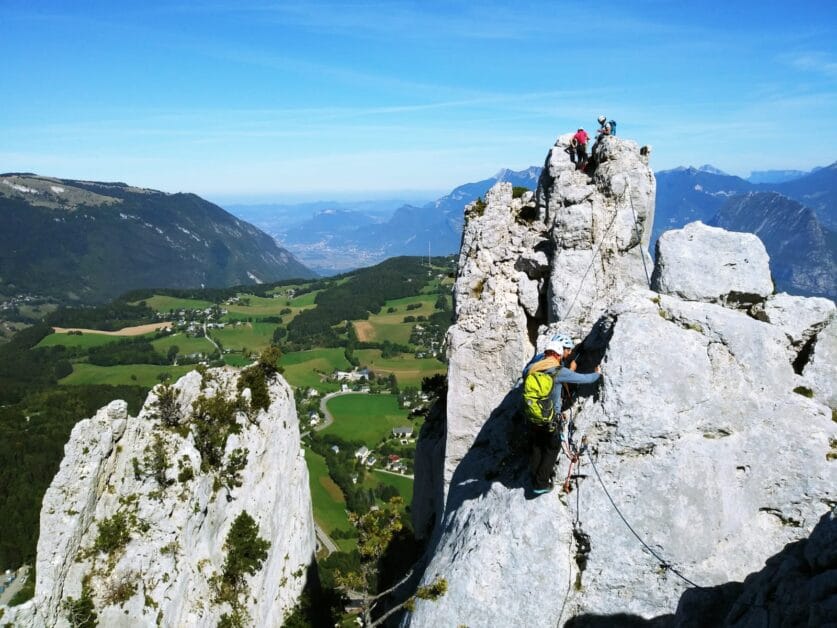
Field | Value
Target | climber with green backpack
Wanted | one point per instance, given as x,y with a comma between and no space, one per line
543,379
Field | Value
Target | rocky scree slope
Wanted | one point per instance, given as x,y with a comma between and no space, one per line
711,430
136,523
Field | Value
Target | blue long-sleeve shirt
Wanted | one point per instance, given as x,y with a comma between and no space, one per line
568,376
560,373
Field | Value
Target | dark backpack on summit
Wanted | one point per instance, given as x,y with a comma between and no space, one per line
612,124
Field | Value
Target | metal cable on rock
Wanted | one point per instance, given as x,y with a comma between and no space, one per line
638,234
576,524
665,564
590,265
569,580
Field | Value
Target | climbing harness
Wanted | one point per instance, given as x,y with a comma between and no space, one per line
663,563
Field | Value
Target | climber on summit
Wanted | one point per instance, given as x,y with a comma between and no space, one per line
604,127
543,378
580,143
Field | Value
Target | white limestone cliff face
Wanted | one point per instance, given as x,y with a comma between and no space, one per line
492,297
703,429
599,226
163,575
522,260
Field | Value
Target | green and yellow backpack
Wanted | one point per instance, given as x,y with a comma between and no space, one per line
537,399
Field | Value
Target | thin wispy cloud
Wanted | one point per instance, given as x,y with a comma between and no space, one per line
233,97
818,62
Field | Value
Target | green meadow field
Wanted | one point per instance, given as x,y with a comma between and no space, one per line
408,369
163,303
403,484
364,417
327,498
186,345
390,325
252,336
136,374
301,367
236,359
86,340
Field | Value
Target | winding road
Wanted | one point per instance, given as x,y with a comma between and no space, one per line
325,540
210,339
328,418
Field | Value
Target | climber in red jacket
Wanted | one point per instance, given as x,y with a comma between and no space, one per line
580,143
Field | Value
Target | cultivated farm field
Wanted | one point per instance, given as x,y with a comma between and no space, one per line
131,374
303,368
364,417
408,369
85,340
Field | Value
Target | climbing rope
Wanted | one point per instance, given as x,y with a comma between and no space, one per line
569,579
576,525
601,242
663,563
590,265
638,234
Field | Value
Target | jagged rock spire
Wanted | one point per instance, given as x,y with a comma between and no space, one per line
600,227
710,429
136,523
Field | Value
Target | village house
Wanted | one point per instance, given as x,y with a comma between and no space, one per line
402,432
354,375
362,454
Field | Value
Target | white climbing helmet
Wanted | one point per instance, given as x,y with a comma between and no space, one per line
558,343
602,119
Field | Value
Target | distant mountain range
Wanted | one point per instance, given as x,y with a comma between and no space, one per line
699,192
90,242
93,241
339,237
795,218
802,251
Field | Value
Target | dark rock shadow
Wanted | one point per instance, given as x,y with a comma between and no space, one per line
499,454
620,620
428,488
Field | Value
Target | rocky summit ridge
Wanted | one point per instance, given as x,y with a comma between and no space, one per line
712,431
136,526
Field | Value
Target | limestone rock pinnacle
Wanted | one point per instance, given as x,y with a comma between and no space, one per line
711,428
136,518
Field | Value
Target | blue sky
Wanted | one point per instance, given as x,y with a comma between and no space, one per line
281,100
